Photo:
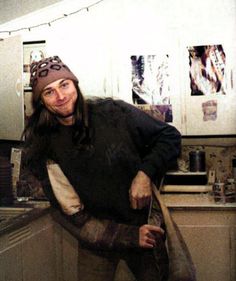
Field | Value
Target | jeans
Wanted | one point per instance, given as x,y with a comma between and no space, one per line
102,265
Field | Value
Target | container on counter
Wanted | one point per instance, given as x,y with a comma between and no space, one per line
197,161
224,192
219,192
230,190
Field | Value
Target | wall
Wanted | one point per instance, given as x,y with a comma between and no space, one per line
94,42
11,9
218,157
97,43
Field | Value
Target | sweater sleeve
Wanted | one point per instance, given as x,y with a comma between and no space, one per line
99,234
94,233
158,143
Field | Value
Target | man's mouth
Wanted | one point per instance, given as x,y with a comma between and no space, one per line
62,104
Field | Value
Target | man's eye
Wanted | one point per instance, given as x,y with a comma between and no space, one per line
48,93
64,85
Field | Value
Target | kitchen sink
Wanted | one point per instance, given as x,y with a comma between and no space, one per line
20,214
6,213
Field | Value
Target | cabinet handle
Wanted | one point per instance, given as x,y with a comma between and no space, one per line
18,87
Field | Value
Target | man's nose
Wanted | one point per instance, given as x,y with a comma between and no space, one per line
60,94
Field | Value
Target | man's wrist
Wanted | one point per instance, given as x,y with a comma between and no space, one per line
143,176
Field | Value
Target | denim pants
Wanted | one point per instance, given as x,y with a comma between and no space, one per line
146,265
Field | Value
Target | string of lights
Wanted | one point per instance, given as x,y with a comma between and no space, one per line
49,23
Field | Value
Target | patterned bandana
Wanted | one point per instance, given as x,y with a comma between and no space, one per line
47,71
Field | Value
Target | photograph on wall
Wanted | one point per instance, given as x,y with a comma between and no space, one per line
151,85
209,109
160,112
207,70
33,51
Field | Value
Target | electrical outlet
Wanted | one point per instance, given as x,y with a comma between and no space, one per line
211,176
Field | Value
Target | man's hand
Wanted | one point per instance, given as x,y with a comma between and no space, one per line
141,191
148,235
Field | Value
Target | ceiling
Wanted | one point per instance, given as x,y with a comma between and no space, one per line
12,9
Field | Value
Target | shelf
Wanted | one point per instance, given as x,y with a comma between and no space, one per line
180,173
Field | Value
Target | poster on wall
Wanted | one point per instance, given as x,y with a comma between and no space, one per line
151,85
207,70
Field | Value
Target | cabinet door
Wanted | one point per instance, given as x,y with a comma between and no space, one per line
10,264
11,89
209,237
152,90
39,253
233,253
209,82
69,256
213,113
210,250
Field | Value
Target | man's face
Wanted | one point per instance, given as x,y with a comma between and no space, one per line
59,97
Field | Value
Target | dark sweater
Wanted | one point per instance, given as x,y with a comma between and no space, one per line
124,141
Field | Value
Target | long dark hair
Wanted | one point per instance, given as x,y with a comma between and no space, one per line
42,123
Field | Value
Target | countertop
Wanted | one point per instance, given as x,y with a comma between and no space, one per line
195,201
28,211
180,201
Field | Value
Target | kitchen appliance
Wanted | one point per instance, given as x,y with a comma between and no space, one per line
178,181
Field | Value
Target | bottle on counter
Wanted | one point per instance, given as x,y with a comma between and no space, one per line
219,192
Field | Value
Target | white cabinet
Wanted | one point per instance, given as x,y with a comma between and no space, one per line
210,236
212,113
30,253
44,250
165,96
11,264
11,88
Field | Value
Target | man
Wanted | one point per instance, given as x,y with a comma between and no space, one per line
97,160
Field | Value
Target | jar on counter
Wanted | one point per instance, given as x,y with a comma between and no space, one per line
230,185
219,192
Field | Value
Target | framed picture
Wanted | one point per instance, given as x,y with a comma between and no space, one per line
32,51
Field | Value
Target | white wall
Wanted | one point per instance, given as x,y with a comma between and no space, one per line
101,40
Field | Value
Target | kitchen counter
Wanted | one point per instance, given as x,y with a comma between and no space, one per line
20,214
29,243
34,209
198,201
203,223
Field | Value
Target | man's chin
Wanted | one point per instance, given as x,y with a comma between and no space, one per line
64,116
